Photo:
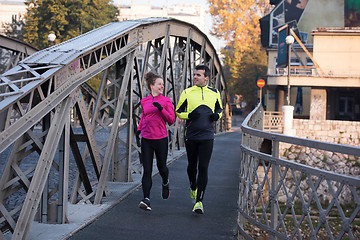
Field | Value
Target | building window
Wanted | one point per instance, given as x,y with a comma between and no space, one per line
294,62
309,62
346,106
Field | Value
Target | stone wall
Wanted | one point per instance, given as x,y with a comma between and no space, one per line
332,131
340,132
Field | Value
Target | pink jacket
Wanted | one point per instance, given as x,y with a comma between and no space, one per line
153,122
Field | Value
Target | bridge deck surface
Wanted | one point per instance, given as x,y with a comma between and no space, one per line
173,218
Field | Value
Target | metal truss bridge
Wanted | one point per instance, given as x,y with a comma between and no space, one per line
49,114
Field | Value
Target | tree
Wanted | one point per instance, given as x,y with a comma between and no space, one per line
237,22
65,18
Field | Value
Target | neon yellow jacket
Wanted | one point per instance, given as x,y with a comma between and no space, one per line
206,101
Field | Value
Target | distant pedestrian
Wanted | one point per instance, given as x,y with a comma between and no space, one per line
200,105
157,110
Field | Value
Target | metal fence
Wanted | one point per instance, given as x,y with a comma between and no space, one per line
282,199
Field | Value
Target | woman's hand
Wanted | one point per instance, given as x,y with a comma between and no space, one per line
158,105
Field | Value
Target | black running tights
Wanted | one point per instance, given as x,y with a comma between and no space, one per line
199,154
148,148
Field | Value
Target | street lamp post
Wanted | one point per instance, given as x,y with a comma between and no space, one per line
51,38
288,110
289,40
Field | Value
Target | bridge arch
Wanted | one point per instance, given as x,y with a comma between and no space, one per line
40,96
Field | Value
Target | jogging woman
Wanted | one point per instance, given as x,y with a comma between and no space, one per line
157,110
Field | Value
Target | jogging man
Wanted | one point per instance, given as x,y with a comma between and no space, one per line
200,105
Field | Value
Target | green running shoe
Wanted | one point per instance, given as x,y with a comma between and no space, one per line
193,194
198,208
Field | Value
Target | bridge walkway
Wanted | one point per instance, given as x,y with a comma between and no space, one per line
173,218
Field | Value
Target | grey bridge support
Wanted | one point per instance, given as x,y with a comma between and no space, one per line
49,114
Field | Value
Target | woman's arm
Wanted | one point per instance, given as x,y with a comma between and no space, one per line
168,113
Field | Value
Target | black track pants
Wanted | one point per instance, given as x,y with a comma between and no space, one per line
199,154
148,148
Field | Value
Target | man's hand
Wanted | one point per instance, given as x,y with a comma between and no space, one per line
158,105
214,117
194,115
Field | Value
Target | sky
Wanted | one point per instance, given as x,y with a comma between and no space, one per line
218,44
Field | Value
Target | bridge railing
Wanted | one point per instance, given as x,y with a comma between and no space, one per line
282,199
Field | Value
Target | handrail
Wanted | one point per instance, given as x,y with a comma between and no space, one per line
298,141
286,199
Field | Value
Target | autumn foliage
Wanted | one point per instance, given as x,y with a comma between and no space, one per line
237,22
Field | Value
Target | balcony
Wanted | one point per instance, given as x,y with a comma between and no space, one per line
310,76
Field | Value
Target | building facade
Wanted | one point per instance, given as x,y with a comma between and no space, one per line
10,10
324,74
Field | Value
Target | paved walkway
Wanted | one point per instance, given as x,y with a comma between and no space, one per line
173,218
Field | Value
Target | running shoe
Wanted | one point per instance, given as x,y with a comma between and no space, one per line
165,193
145,204
198,208
193,194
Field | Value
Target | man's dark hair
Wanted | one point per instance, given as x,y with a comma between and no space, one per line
205,68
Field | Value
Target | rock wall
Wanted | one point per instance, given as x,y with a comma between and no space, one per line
332,131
